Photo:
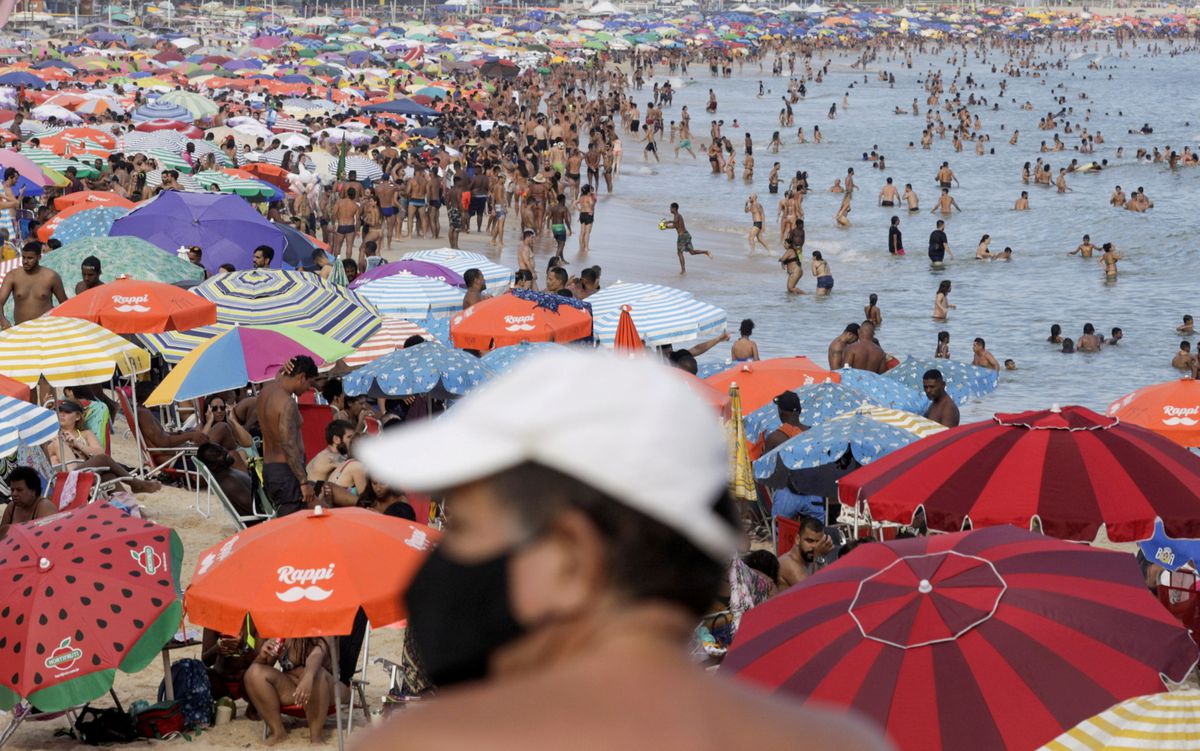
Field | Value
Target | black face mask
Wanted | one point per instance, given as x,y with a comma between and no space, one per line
459,614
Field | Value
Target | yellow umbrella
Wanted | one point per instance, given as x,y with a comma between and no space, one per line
898,418
741,481
1162,721
66,352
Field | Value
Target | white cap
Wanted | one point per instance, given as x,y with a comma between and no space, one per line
630,427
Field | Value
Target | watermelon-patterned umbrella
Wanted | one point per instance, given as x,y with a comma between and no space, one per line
83,594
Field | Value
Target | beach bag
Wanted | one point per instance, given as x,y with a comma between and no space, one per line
161,720
193,692
99,726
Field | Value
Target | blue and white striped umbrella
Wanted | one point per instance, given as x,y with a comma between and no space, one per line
819,403
91,223
963,380
663,315
428,368
500,360
413,297
22,422
136,141
159,109
884,391
866,439
496,276
362,167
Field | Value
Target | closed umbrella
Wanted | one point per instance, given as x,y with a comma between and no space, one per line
627,338
267,297
429,368
226,227
741,474
1070,468
993,639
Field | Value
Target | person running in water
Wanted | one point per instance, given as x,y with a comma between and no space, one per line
683,239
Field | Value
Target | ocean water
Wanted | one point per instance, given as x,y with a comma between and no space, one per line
1010,304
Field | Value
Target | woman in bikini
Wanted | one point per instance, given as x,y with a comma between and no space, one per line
586,205
745,349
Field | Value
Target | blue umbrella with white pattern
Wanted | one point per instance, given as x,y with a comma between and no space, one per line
91,223
22,422
662,315
413,297
884,391
963,380
428,368
496,276
819,403
499,360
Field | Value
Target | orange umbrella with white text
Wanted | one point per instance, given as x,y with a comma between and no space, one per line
1171,409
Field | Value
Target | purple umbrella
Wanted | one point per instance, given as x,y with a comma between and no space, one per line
225,227
416,268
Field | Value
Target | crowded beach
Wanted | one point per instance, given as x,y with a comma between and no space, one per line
428,377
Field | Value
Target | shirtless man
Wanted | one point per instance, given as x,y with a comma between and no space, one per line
525,253
1089,342
560,224
889,196
387,190
1022,203
945,203
89,272
285,477
942,408
837,348
755,210
1183,359
982,357
865,353
1118,197
345,221
683,238
1085,248
910,198
945,176
807,555
32,287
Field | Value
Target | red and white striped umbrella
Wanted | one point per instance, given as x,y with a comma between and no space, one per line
390,337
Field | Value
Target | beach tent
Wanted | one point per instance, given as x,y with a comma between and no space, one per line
816,8
605,8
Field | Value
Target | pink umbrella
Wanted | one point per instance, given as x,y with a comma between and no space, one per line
416,268
26,168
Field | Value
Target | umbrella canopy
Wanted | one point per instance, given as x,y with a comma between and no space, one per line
762,381
64,351
130,306
93,198
89,221
1072,469
963,380
416,268
1159,721
309,573
991,639
428,368
884,391
509,319
1171,409
85,593
741,475
402,106
121,256
162,110
392,335
33,425
496,276
24,167
662,315
265,297
225,227
409,296
242,355
500,360
820,402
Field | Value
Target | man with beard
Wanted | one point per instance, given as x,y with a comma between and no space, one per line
807,556
338,435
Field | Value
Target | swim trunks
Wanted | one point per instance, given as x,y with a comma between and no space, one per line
454,214
683,244
586,217
758,225
825,282
772,188
345,229
559,230
282,487
416,202
389,210
478,204
887,203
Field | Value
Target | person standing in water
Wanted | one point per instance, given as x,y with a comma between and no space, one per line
792,259
755,210
745,349
871,311
820,269
895,238
683,238
941,302
1109,261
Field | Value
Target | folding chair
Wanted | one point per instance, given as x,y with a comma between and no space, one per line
312,429
260,512
151,467
785,534
75,489
1177,592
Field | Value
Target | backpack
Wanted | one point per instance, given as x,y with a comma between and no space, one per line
161,720
193,692
109,725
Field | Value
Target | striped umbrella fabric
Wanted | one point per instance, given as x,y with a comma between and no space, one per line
392,335
33,425
662,315
987,640
43,158
236,185
1072,469
173,346
741,474
921,427
429,368
414,297
161,110
1159,721
964,381
65,351
496,276
264,297
136,141
361,166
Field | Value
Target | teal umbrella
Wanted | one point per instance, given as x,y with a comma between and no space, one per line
121,256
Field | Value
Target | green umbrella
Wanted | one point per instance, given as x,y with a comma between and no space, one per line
129,256
237,185
198,105
43,158
173,346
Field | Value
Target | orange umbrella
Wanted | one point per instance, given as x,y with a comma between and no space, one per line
91,199
132,306
14,388
270,173
762,381
511,319
308,573
627,338
1171,409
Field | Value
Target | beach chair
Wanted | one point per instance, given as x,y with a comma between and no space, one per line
75,489
261,511
1177,592
785,534
312,430
151,466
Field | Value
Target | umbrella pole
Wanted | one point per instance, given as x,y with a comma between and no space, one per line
337,704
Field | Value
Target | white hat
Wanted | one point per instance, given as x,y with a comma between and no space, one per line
631,428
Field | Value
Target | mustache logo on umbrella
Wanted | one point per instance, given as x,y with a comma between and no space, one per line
304,583
127,304
519,323
1180,415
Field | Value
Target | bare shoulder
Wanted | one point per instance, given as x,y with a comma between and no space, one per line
777,721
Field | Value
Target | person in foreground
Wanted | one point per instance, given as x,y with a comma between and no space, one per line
578,557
